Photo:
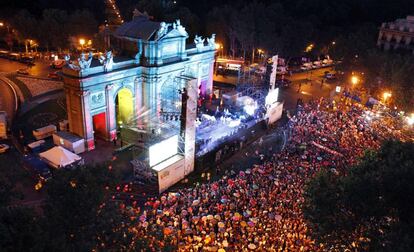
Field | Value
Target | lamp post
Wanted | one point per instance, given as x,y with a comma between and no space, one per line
410,119
2,24
386,95
82,43
309,48
354,80
261,53
218,48
28,43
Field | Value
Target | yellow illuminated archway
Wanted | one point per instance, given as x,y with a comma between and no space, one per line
125,106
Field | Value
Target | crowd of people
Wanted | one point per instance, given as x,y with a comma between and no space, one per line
260,208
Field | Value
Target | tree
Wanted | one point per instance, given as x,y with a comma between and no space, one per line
372,207
20,230
187,18
391,72
223,22
81,22
74,207
25,26
53,24
19,226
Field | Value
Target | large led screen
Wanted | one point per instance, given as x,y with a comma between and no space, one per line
163,150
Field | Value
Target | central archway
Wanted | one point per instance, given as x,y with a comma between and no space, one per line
124,106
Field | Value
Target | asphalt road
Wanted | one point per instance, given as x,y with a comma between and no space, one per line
305,85
40,69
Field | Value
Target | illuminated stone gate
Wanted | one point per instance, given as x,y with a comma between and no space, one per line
134,84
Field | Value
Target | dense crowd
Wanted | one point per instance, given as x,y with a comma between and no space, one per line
260,208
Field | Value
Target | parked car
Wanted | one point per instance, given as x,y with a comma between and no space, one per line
23,71
57,64
4,54
330,76
4,148
283,83
27,59
54,76
13,56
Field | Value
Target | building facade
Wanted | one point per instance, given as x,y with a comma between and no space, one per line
397,35
138,82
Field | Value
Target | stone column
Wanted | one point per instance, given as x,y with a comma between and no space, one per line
146,101
209,86
199,75
69,107
87,120
110,113
138,82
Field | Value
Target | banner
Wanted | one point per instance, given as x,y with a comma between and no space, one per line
327,149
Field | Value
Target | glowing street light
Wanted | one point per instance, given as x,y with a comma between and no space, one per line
218,46
82,42
2,24
386,95
309,47
354,80
410,119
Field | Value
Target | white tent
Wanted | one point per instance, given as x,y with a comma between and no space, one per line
59,157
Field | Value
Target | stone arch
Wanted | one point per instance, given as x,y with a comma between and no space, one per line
124,102
122,86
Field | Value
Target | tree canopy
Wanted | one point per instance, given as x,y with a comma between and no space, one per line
78,215
372,207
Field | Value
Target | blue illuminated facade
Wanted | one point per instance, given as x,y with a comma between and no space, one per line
151,62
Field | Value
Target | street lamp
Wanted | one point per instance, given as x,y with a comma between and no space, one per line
28,41
2,24
82,42
261,53
309,47
386,95
410,119
354,80
219,47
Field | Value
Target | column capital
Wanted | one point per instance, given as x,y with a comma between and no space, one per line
83,93
139,79
109,86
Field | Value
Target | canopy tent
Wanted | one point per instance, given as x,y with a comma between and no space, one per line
59,157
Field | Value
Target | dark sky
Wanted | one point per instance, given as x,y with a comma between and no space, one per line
336,12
